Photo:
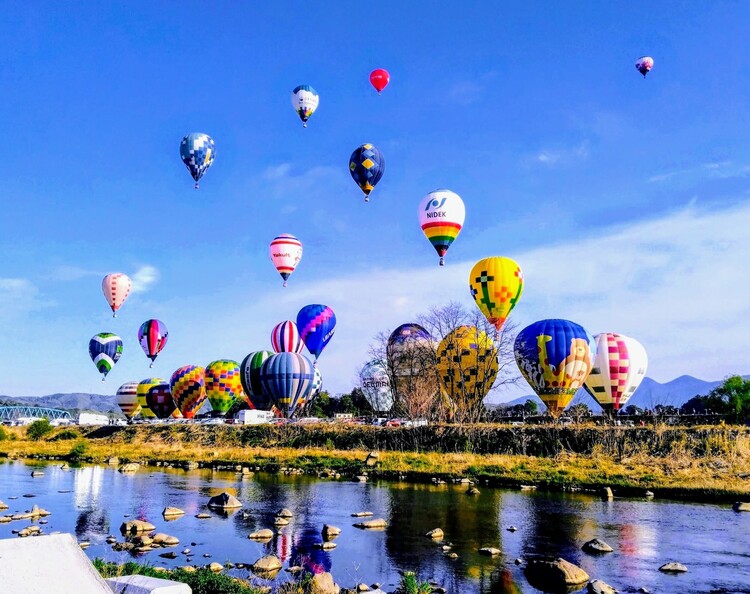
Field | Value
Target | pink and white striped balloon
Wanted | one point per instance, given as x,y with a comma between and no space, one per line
285,338
116,288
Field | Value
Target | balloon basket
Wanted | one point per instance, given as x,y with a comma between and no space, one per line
196,185
284,285
114,315
304,124
152,364
442,261
104,379
367,198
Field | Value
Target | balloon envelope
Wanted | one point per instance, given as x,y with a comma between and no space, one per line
305,101
287,379
127,399
188,385
379,78
159,400
286,252
153,336
105,349
467,364
367,166
197,151
619,368
116,288
496,285
285,338
316,324
223,385
644,64
376,386
555,357
250,378
142,391
441,216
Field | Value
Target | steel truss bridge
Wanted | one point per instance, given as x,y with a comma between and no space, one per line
11,413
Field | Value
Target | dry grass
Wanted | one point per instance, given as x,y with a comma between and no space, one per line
706,463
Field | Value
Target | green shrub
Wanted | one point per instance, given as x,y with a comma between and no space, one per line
79,450
4,434
66,435
411,585
38,429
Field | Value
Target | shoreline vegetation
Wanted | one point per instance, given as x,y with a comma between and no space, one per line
695,463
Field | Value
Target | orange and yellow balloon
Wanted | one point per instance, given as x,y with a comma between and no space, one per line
496,284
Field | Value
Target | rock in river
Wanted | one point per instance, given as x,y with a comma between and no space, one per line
372,524
224,501
129,467
673,567
330,532
264,534
171,513
599,587
284,513
489,551
436,533
554,574
741,506
267,564
597,546
362,514
136,527
322,583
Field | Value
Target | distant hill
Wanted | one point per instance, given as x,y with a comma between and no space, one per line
650,393
95,402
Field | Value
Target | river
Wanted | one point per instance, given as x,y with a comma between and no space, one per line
92,501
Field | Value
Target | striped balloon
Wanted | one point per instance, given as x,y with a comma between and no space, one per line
285,338
287,379
223,385
441,216
105,349
153,336
116,288
142,391
316,325
159,400
619,368
250,378
286,252
127,399
188,389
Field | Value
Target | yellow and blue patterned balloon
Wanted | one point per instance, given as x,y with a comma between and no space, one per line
197,151
367,166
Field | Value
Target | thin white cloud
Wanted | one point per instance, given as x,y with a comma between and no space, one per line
144,278
562,156
19,296
701,171
67,273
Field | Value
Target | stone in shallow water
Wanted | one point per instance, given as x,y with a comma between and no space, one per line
596,545
673,567
554,573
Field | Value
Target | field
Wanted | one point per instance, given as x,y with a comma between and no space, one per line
701,463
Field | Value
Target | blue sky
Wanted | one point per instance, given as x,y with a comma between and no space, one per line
624,200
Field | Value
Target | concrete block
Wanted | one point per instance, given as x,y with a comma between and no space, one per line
141,584
52,563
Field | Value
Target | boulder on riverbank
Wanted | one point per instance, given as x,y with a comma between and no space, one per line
741,506
597,546
224,501
607,494
372,459
322,583
554,574
372,524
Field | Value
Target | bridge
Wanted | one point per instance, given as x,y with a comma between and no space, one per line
11,413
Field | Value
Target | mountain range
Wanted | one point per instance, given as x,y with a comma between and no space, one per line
95,402
650,393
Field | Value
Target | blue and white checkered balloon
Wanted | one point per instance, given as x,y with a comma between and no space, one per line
197,151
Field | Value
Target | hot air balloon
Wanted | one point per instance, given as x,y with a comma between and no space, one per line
286,252
188,386
305,101
644,64
317,385
285,338
410,357
105,349
197,151
116,288
496,285
142,391
407,337
316,325
441,215
127,399
376,386
223,385
367,166
379,78
250,378
619,367
153,336
159,400
555,357
287,379
467,364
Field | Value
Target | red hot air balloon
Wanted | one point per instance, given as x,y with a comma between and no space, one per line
379,79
